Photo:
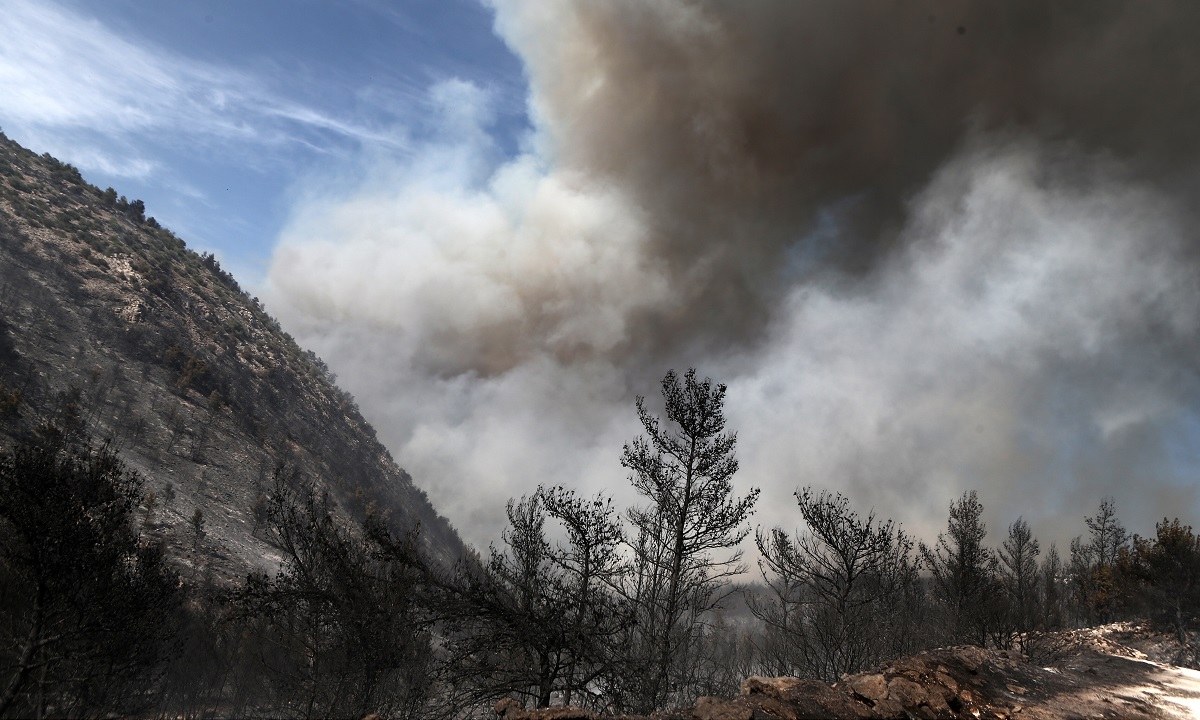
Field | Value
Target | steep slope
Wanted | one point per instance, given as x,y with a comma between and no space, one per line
108,318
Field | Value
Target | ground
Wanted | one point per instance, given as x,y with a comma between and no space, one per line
1120,670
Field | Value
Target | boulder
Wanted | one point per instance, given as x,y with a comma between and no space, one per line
772,686
871,687
906,692
709,708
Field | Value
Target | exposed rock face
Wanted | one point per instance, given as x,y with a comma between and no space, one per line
1089,679
199,388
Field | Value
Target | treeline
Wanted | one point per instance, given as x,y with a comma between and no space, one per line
577,603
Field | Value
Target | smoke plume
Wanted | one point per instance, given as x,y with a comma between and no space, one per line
929,246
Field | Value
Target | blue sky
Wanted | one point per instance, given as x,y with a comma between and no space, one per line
216,113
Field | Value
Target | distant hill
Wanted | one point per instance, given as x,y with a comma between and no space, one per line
108,320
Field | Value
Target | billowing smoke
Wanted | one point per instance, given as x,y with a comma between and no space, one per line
929,246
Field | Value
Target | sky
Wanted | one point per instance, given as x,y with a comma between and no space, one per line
215,113
929,248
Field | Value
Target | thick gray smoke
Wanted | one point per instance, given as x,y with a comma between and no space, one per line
930,247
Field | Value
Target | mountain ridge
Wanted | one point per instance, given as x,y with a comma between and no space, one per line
107,319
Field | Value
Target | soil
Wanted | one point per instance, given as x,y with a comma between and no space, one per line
1122,670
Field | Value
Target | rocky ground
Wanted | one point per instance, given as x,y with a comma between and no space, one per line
1122,670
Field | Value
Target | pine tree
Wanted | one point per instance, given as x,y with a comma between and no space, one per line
684,467
1019,573
83,602
964,572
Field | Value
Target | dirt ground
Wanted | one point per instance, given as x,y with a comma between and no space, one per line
1121,670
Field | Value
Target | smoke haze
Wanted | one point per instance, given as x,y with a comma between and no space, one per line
929,247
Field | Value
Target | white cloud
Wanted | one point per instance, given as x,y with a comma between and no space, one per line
1000,351
1007,342
62,73
473,292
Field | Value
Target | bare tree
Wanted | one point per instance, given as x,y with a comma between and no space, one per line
530,597
1052,579
503,621
338,629
684,467
836,590
590,565
86,608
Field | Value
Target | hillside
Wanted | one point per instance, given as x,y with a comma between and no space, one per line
109,320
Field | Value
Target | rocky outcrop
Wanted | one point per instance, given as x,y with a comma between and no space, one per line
949,683
1087,680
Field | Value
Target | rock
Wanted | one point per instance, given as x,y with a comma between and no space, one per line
971,658
774,709
511,709
564,713
710,708
871,688
771,686
960,683
942,677
938,699
791,698
907,693
888,708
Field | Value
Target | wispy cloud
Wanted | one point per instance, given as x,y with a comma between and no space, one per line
62,74
393,138
85,154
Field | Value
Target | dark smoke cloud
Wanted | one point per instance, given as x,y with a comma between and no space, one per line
931,246
733,124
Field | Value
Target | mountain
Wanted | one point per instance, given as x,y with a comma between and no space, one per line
110,323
